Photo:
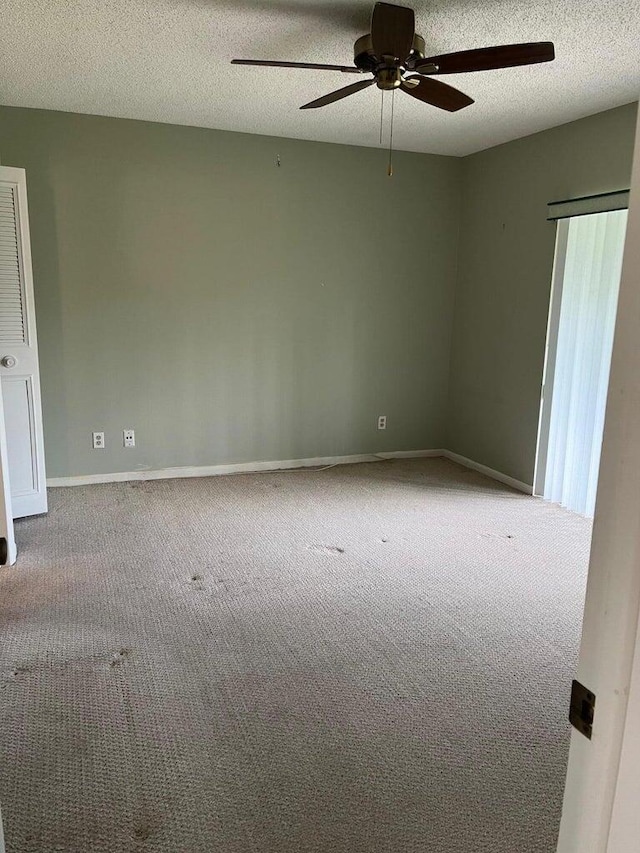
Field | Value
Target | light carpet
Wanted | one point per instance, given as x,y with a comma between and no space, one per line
375,658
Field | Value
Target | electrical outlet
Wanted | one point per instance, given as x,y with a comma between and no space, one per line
128,438
382,422
98,440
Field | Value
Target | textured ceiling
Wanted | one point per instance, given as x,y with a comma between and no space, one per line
168,61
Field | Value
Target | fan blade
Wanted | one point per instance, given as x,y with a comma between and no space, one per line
337,96
346,69
436,93
392,31
489,58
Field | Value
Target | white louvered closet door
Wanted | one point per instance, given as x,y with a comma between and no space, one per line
19,350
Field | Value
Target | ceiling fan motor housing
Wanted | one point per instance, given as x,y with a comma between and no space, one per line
364,57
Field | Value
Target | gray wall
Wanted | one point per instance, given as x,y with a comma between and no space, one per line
230,310
227,309
506,262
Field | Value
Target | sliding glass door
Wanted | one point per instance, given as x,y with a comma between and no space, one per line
580,340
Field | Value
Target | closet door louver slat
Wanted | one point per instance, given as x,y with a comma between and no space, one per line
12,328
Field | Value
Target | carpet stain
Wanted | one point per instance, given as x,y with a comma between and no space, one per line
144,828
142,832
13,675
120,657
334,550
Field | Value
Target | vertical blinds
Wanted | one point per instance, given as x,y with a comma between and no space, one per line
12,324
593,265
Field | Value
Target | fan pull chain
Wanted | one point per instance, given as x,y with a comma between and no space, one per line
381,113
390,167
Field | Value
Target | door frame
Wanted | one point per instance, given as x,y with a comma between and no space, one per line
551,351
6,513
600,808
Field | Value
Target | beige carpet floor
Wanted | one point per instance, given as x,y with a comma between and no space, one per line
374,658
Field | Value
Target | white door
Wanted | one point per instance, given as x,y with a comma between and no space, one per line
601,801
19,350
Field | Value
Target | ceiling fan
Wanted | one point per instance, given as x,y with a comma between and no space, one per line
395,54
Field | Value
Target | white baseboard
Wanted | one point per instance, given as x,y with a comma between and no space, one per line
282,465
408,454
236,468
489,472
